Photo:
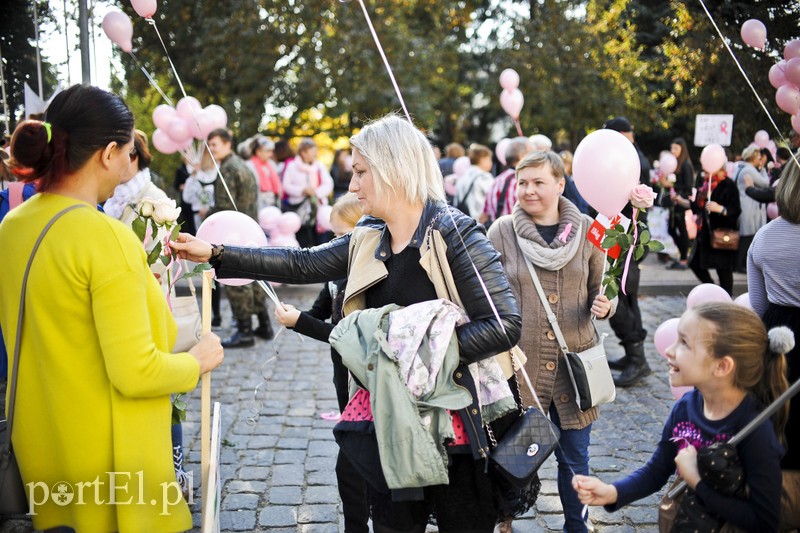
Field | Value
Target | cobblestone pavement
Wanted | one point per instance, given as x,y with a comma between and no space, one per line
278,455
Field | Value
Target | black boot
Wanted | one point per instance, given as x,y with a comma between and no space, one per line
243,338
637,367
264,329
618,364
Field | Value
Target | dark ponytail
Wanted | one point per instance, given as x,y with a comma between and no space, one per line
79,122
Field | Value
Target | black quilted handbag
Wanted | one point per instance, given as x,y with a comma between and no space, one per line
523,449
528,443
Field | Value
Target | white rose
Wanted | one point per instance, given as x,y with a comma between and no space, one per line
165,212
146,207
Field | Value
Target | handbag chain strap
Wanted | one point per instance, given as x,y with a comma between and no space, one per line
6,451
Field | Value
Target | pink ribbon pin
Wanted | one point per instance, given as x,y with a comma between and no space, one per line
565,234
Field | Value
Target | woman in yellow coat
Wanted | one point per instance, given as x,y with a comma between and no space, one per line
92,421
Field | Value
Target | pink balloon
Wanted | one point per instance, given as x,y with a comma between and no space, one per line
730,168
285,240
796,122
500,150
461,165
606,168
667,163
324,218
705,293
772,211
178,130
754,33
788,99
289,223
743,300
268,217
218,115
761,139
450,184
678,392
773,148
777,76
792,49
666,335
163,115
187,107
792,71
144,8
234,228
163,143
509,79
713,158
201,124
118,27
512,102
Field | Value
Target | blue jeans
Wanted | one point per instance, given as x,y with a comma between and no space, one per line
572,455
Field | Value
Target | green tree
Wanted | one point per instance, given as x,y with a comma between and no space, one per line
17,44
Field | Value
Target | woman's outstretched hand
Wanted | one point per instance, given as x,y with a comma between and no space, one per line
191,248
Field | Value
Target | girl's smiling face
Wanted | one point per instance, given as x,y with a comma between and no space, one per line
691,362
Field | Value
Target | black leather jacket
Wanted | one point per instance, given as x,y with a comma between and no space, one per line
482,337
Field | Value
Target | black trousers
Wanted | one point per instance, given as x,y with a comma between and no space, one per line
678,231
741,255
627,321
353,492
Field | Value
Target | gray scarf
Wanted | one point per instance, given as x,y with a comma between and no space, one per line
558,253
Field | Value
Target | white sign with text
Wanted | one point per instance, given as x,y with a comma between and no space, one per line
710,129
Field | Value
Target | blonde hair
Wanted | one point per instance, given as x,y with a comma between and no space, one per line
401,159
787,193
538,159
348,209
740,334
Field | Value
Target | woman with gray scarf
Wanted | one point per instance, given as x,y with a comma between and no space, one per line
549,231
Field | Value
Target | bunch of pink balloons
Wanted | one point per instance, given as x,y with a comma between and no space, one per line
234,228
785,77
606,168
177,127
511,99
281,227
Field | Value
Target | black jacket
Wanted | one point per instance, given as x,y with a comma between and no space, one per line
467,245
482,337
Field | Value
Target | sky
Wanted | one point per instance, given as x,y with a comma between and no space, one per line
54,40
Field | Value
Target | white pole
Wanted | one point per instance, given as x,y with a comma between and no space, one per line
38,58
5,102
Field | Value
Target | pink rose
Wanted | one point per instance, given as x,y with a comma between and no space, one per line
642,196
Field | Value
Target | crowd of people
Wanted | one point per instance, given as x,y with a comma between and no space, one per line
434,284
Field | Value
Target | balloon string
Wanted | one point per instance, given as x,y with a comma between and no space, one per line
174,71
385,61
747,79
150,79
519,128
631,251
